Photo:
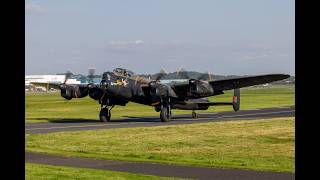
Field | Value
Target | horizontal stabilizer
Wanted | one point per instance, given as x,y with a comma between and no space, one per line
235,101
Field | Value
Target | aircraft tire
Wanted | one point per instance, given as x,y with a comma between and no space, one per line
164,115
105,115
194,115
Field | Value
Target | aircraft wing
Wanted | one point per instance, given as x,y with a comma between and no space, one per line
54,85
47,85
235,83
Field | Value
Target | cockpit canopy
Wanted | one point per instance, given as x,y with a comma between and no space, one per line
123,72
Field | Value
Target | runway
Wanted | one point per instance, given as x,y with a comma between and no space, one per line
87,124
157,169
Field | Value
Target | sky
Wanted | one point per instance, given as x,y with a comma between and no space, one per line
225,37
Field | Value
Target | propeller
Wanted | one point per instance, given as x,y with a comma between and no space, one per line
137,78
66,90
206,76
162,73
182,73
90,76
180,69
67,76
210,76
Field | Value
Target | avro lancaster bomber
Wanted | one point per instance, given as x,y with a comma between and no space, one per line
120,86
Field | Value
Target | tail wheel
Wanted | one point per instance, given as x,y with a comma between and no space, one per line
105,115
194,115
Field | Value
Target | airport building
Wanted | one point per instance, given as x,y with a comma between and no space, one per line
46,79
58,79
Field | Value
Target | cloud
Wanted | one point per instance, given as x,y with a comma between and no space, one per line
126,43
34,8
254,57
139,41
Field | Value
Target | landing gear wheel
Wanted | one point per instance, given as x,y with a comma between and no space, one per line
165,114
194,115
105,115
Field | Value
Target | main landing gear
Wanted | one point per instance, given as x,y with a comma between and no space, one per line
105,113
165,112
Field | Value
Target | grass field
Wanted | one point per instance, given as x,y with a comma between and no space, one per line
46,107
39,171
256,144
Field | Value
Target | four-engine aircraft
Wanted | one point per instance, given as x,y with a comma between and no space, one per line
120,86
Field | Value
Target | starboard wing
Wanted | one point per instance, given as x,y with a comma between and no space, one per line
235,83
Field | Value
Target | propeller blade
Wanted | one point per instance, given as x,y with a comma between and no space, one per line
181,72
205,76
67,76
136,79
162,73
179,69
91,72
210,76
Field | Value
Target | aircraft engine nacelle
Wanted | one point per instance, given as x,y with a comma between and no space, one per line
161,90
69,92
199,88
95,92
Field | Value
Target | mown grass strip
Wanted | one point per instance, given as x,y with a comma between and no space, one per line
40,171
266,145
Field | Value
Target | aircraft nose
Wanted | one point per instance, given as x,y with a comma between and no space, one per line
104,84
91,86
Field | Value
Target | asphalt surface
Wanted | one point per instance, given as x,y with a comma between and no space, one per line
87,124
157,169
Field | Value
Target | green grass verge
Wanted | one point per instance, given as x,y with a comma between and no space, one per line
255,144
52,107
40,171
